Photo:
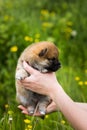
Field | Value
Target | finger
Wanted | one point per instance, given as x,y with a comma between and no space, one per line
27,85
21,107
28,68
19,82
51,108
26,80
25,112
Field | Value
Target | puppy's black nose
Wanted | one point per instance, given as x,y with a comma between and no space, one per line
56,66
59,64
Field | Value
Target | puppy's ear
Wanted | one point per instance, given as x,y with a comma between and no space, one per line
43,52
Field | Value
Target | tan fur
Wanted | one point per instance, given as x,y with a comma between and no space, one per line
42,56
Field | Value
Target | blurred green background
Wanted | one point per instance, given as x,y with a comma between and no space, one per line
23,22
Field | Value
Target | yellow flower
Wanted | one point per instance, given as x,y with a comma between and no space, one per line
51,39
44,12
52,14
30,126
69,23
86,71
62,121
6,17
10,112
68,30
46,116
47,24
80,83
77,78
27,121
36,40
37,35
6,105
27,38
13,48
85,82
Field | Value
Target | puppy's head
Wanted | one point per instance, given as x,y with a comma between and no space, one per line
44,57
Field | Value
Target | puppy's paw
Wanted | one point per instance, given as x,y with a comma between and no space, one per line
31,110
21,74
42,109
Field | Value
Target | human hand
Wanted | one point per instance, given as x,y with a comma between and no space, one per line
43,83
51,108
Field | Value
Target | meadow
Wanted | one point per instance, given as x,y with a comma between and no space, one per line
25,22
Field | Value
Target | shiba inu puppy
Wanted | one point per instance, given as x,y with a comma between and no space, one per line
42,56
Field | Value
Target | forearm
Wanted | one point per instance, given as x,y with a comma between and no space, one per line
82,105
71,110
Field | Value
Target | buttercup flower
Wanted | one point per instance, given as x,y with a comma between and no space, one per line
77,78
37,35
51,39
10,112
13,48
44,12
86,71
69,23
85,82
80,83
30,126
47,24
46,116
6,17
62,122
27,38
6,105
27,121
36,40
68,30
52,14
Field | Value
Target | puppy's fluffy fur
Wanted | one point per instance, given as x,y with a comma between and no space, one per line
42,56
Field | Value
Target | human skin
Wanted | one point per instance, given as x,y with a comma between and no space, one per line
50,109
47,84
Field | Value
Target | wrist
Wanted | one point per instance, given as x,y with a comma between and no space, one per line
56,88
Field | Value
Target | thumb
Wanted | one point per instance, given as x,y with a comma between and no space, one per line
28,68
51,107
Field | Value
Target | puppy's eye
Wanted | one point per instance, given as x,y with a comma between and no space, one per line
52,59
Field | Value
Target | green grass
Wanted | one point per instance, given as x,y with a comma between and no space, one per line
55,120
24,22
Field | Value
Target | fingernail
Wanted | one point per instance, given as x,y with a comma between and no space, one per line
19,106
23,112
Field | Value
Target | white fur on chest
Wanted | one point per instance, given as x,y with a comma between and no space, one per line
22,99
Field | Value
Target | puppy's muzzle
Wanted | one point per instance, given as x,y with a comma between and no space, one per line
54,65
